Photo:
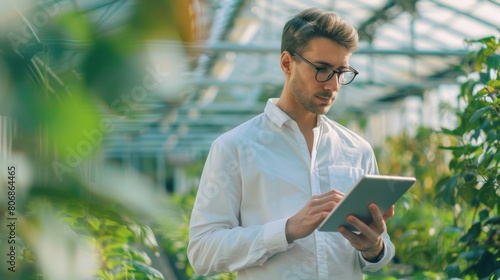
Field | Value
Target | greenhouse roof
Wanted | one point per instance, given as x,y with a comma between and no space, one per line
225,78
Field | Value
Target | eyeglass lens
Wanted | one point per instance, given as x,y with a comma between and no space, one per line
325,74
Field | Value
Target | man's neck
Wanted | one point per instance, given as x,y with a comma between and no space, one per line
304,119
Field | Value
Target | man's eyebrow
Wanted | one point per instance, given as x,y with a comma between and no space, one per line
324,63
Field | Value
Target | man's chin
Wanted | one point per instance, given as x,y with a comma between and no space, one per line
323,110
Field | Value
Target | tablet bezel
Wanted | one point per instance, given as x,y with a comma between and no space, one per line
382,190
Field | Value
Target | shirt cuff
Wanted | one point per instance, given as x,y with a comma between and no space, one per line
365,263
275,238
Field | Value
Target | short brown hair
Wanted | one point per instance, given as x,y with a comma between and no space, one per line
313,22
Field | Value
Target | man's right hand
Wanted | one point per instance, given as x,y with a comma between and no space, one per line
311,215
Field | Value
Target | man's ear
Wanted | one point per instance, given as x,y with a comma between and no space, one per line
286,62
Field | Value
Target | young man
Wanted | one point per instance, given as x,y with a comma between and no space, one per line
270,182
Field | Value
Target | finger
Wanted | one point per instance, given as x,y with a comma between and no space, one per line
378,219
330,193
325,207
358,241
339,193
325,203
322,199
358,224
349,235
318,218
337,197
364,229
387,215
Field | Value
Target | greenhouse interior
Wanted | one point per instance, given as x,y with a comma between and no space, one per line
108,111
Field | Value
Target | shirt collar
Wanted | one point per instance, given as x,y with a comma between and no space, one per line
323,120
276,115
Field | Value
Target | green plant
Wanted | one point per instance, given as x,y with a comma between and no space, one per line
472,190
66,79
419,228
117,240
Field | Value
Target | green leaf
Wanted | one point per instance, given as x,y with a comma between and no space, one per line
126,275
493,61
467,191
75,26
452,232
452,271
485,40
478,62
495,274
114,263
140,256
453,148
123,232
485,76
94,223
479,112
110,244
453,132
453,164
150,272
474,254
487,195
148,239
469,176
493,220
486,265
116,255
484,214
494,83
482,92
466,88
472,233
447,191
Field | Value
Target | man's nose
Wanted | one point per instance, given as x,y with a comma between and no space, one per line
333,84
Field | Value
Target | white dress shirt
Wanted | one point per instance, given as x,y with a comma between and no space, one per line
257,176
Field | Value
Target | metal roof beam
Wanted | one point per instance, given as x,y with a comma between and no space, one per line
445,27
223,21
494,2
466,14
386,14
275,48
223,107
422,83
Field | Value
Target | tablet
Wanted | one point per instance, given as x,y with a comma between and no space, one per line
381,190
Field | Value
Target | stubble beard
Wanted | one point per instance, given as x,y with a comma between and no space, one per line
307,100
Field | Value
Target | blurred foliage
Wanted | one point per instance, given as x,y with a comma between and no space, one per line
66,76
419,228
448,225
473,185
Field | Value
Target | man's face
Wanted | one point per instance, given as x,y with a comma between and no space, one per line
317,97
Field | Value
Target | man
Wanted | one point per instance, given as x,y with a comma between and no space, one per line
270,182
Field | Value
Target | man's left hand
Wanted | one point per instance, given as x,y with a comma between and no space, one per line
369,239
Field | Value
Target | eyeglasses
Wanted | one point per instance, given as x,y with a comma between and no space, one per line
323,74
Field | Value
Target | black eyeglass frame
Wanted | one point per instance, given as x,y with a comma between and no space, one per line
339,72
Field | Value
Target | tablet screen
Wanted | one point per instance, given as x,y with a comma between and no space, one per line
384,191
